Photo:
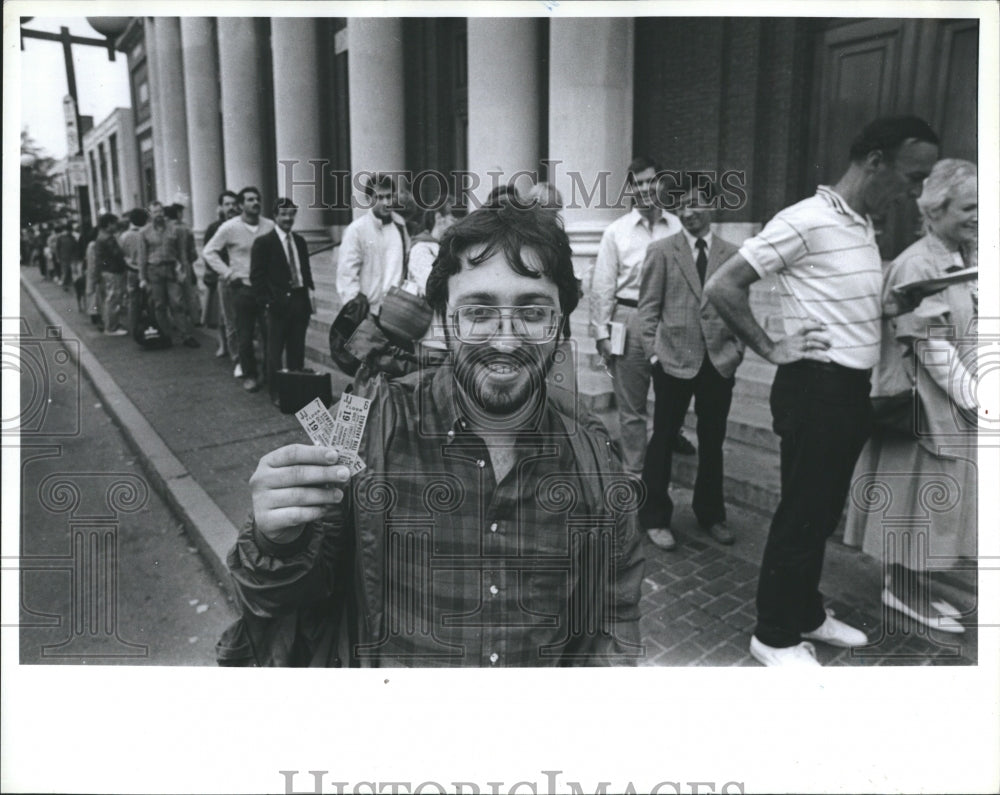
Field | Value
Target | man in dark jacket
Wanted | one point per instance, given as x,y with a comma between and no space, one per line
112,269
492,525
280,275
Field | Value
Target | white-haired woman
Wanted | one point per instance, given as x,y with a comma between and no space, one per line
914,495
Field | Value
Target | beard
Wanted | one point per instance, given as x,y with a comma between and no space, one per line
505,386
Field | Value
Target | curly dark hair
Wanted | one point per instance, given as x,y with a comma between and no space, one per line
507,228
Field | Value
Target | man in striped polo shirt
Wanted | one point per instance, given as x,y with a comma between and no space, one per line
825,257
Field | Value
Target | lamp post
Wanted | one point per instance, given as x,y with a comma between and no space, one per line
111,27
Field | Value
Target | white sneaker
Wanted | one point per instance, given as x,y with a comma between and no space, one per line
662,537
946,609
941,621
802,655
837,633
237,371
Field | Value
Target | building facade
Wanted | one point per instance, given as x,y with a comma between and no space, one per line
303,107
112,164
288,103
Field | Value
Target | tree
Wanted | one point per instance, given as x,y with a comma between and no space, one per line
39,202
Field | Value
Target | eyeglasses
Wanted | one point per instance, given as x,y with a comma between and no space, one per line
476,325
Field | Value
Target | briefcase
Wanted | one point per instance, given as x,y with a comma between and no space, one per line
297,388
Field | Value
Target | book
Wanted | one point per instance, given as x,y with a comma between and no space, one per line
939,283
617,338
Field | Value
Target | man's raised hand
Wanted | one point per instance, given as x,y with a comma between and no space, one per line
293,485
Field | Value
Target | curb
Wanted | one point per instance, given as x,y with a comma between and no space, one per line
210,529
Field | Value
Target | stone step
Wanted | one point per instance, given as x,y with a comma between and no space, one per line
748,423
752,477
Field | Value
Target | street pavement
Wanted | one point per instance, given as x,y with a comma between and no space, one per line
197,437
108,574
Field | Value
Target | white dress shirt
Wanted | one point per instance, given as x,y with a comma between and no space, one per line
618,269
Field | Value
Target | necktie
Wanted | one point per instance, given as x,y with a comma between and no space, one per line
290,253
701,263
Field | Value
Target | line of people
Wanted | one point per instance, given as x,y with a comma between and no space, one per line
669,305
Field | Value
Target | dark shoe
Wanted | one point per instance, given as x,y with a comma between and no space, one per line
721,533
682,446
191,342
251,385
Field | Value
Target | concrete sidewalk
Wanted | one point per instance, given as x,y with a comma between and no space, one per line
199,436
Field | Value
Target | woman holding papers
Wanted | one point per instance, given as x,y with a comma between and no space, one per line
914,494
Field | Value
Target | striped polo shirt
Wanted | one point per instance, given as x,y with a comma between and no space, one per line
828,266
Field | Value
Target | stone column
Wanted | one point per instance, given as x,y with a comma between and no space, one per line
173,121
590,111
296,122
155,109
503,100
204,131
375,83
239,51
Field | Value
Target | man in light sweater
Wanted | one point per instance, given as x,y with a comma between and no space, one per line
236,237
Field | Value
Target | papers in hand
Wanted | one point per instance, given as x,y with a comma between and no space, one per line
617,338
342,431
928,286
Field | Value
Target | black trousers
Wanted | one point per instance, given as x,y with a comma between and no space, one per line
249,313
823,417
287,322
713,395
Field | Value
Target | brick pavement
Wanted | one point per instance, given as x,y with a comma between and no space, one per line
697,601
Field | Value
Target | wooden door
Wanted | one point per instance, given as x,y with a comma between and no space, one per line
887,67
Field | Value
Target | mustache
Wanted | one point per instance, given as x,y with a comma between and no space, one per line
521,356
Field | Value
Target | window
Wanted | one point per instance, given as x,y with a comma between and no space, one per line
116,185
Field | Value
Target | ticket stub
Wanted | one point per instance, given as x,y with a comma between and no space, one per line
349,422
325,430
317,422
352,461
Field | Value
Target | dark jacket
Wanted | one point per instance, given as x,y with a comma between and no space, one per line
302,602
270,274
109,255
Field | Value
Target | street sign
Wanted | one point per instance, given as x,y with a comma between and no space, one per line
72,131
77,170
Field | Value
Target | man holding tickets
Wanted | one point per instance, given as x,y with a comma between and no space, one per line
490,526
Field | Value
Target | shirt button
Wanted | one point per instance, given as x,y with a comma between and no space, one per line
493,658
494,590
480,463
493,527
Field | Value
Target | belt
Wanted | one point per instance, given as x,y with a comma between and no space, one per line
627,302
830,367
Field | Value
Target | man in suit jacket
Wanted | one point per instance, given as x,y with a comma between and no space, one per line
280,275
692,352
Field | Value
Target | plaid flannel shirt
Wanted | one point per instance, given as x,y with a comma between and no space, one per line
451,568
